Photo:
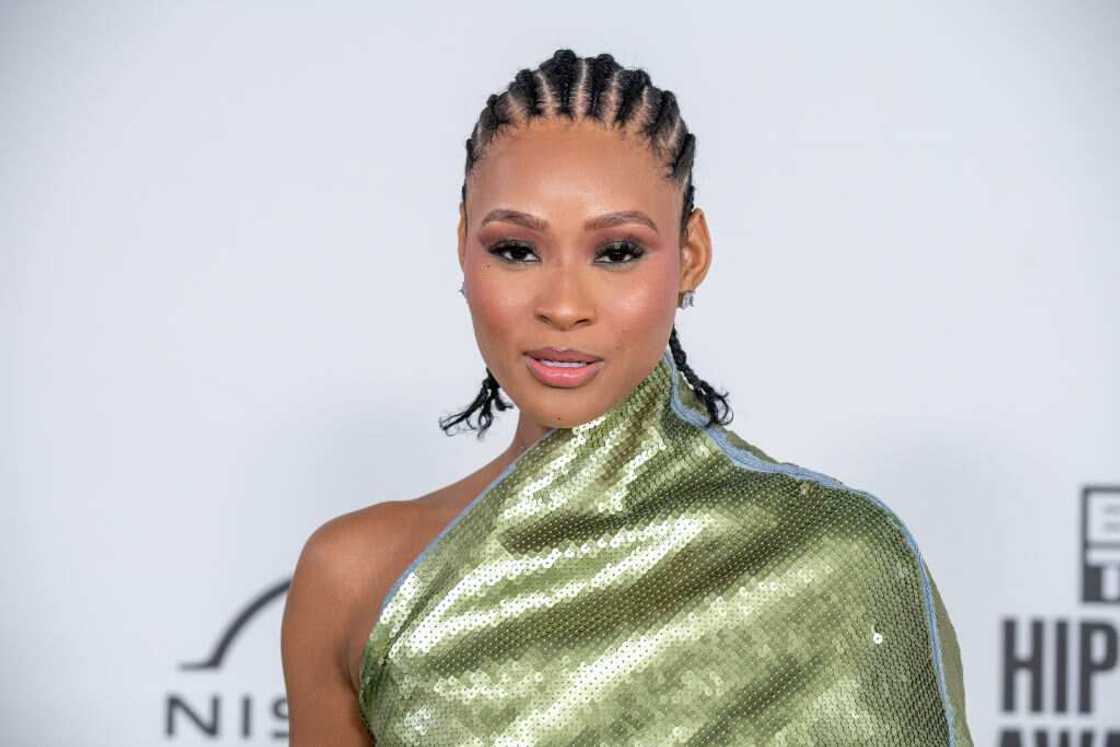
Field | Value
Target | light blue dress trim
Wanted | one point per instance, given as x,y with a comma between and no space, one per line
751,462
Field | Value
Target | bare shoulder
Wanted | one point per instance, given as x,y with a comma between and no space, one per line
341,568
343,552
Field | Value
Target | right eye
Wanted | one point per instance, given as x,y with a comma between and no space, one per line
514,248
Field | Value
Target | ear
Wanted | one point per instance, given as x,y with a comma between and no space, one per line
462,233
696,251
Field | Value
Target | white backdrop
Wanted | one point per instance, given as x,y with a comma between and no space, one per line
229,312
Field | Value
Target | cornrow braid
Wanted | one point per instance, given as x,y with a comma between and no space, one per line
560,74
602,68
719,411
599,89
631,84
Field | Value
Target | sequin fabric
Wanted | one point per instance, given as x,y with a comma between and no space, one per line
642,580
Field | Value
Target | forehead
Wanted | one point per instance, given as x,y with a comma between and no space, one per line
557,166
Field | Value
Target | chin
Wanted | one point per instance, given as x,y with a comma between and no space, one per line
566,410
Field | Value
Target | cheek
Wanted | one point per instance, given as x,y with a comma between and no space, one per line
646,302
495,302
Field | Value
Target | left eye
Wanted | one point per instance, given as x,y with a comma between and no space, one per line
617,252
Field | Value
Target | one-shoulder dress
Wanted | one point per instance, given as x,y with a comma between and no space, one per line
647,579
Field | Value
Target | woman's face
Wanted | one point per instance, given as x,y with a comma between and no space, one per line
571,241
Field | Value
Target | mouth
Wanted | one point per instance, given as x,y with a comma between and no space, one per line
563,368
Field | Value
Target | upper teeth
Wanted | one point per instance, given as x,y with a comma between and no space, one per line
563,364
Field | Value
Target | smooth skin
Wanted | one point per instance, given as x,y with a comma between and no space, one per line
566,193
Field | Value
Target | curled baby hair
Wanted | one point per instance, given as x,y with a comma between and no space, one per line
590,88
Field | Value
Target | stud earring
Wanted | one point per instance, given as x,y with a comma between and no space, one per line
686,299
462,289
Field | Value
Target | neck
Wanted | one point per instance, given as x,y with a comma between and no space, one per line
527,433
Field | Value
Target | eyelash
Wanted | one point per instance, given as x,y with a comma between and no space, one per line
635,250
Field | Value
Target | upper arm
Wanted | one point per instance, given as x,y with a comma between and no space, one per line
326,584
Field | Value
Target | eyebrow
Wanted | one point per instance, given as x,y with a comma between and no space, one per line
606,220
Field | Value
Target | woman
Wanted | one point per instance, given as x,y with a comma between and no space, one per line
629,570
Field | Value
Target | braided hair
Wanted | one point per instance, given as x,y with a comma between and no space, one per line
599,89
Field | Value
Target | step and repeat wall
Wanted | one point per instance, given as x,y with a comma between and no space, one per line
229,311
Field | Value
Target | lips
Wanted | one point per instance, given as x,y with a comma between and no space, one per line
569,355
564,368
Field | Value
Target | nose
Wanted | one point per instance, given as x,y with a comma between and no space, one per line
564,300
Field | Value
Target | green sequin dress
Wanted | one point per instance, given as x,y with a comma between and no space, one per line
643,580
